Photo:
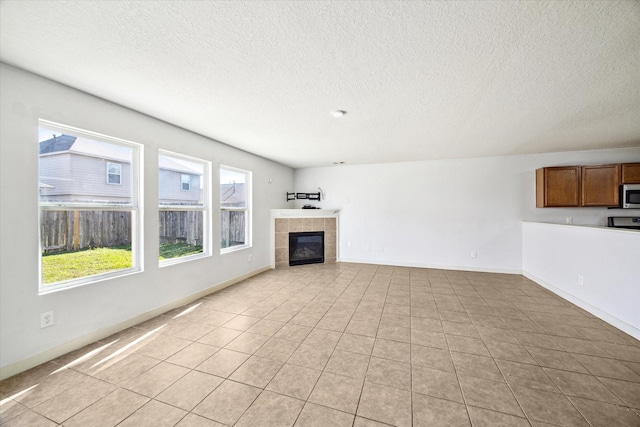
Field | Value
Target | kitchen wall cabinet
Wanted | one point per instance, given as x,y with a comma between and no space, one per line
600,185
578,186
558,187
631,173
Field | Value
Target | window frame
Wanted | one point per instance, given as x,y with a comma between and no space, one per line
206,208
247,209
119,174
135,208
182,175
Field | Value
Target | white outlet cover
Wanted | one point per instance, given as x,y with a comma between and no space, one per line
46,319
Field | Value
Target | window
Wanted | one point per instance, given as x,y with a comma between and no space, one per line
89,228
184,204
186,182
235,209
114,173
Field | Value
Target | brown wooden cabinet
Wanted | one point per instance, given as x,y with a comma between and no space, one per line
576,186
600,185
558,187
631,173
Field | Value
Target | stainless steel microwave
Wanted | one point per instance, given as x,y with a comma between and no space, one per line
630,196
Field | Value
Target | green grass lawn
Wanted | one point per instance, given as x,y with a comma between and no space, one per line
175,250
72,265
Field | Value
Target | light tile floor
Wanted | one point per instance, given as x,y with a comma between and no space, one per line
347,345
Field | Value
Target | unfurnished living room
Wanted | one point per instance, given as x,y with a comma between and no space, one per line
319,213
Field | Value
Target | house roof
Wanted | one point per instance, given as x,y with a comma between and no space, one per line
57,143
85,146
100,149
232,194
167,163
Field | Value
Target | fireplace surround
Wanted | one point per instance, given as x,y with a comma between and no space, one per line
285,221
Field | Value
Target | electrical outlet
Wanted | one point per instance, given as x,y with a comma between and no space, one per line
46,319
580,280
568,220
474,254
250,258
367,248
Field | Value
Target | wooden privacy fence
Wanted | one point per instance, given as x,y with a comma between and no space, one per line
73,230
181,227
232,228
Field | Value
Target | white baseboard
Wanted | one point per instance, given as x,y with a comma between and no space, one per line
45,356
438,267
612,320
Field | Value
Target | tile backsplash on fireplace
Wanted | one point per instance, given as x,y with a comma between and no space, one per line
285,225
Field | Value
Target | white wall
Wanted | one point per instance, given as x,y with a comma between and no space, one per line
86,310
421,213
435,213
607,259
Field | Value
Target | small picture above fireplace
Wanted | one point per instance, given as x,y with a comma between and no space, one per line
306,247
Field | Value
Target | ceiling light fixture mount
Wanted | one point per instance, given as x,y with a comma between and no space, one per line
338,113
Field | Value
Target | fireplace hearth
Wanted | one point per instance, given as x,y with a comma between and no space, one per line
306,247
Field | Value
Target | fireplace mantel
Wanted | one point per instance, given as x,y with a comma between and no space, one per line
304,213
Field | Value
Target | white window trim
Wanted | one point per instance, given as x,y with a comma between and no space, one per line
136,209
248,210
119,173
206,208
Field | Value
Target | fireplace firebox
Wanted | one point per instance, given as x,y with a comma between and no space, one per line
306,247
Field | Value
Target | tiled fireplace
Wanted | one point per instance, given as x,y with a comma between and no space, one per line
295,220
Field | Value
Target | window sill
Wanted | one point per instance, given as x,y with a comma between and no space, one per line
180,260
234,249
88,280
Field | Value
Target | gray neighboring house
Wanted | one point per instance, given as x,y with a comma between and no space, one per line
82,170
179,184
232,195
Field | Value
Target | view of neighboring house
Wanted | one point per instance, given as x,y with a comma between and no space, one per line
82,170
179,184
232,195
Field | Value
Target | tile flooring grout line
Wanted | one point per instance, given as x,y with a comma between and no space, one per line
264,389
396,286
455,371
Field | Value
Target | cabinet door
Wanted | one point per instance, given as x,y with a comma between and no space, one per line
558,187
631,173
600,185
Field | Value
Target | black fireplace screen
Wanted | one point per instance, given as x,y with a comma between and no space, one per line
306,247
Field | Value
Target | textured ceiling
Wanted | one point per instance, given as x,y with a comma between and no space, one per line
419,80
